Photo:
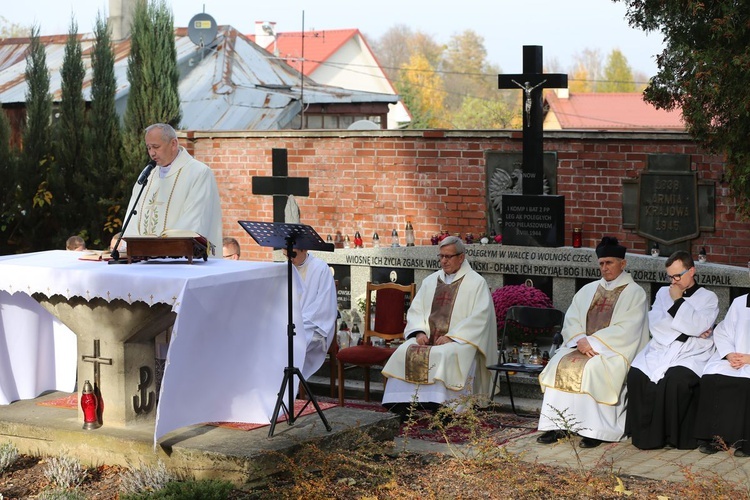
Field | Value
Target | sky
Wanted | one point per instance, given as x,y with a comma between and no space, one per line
563,28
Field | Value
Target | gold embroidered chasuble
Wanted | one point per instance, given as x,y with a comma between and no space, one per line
570,371
418,356
467,316
612,315
187,198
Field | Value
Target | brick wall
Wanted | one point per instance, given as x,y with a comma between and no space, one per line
377,180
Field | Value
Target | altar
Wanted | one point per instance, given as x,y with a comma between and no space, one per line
227,352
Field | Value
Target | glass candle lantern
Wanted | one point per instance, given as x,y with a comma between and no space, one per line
577,237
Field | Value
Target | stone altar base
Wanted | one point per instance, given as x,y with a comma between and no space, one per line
115,339
202,451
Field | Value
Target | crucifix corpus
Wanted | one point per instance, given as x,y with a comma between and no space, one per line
530,219
532,82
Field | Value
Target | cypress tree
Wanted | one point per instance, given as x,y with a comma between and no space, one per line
76,201
7,193
153,78
104,138
37,226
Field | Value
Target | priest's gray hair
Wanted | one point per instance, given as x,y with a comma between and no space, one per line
167,132
453,240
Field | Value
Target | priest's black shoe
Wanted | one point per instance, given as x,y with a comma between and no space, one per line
550,437
587,442
708,448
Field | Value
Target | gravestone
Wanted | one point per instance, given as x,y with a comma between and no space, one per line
532,218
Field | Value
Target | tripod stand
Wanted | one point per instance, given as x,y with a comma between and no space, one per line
289,236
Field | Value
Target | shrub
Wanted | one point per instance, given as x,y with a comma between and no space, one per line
209,489
8,455
65,471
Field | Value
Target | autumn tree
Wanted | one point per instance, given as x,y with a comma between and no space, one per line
153,77
104,136
422,91
702,71
466,71
618,77
586,72
12,30
397,45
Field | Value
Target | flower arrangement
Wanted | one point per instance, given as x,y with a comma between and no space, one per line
517,295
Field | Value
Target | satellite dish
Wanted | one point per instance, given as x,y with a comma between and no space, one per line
202,29
363,125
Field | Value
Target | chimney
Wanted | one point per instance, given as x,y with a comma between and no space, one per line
120,18
562,93
265,35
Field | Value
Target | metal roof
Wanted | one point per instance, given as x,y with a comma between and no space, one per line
233,84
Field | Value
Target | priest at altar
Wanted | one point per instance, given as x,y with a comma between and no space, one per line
605,327
451,335
181,193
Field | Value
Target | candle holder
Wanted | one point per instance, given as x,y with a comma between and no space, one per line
577,237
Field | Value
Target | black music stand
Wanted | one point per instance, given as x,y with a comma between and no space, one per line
289,236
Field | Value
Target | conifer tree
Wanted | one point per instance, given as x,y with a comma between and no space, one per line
76,200
36,224
7,194
153,77
104,138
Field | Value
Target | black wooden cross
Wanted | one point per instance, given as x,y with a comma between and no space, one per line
97,360
532,81
280,186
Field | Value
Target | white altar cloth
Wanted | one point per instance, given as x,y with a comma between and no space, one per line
228,349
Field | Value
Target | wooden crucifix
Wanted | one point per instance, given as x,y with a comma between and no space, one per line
532,81
280,185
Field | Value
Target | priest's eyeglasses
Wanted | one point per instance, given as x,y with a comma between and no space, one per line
441,256
677,277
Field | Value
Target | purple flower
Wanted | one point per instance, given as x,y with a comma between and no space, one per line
517,295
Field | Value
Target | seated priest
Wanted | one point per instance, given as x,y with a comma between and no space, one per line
584,382
724,402
664,381
451,338
319,308
180,194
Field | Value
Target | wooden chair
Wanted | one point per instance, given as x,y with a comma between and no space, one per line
390,320
525,324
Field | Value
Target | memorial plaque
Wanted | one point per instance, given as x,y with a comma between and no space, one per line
668,207
342,274
400,275
531,220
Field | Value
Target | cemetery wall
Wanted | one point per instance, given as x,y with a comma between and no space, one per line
375,181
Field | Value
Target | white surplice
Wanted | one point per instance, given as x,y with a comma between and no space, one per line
186,198
598,410
318,299
472,327
696,314
731,335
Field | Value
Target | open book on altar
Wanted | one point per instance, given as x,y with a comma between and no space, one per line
172,243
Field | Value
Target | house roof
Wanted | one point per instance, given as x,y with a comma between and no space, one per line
608,111
319,46
233,84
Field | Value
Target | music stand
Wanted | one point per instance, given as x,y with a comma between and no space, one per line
289,236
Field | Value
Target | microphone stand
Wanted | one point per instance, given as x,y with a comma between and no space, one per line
115,253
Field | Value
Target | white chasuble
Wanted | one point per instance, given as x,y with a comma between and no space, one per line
187,198
472,326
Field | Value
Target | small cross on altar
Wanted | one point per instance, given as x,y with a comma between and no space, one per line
532,81
280,185
97,360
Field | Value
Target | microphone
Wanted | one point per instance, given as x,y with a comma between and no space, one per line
143,178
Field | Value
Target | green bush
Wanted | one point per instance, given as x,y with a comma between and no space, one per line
209,489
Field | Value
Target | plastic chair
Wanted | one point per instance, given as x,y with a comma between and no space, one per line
390,315
525,324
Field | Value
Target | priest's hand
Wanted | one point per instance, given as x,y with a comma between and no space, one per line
675,291
737,360
443,339
422,338
584,347
706,334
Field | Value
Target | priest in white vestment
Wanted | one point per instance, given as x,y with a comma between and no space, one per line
319,308
451,337
584,382
664,381
724,404
181,193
